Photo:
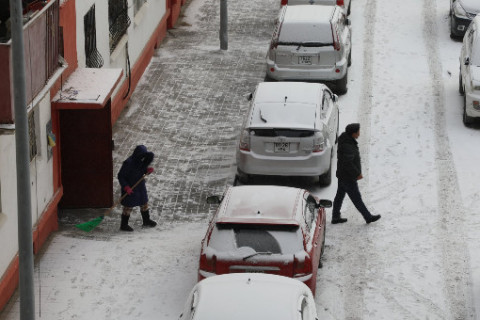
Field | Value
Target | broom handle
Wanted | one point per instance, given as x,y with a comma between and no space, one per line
124,195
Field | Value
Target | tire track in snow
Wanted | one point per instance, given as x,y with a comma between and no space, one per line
456,270
355,269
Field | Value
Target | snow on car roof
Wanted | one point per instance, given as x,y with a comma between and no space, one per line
248,296
307,23
285,104
260,205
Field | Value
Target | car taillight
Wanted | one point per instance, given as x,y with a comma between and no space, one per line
208,264
318,142
336,38
284,2
245,141
302,265
340,3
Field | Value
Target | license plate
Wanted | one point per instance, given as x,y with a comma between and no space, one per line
305,60
282,147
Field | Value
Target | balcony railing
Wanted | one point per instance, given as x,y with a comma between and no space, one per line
41,45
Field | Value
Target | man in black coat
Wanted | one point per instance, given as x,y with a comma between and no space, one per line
349,171
130,173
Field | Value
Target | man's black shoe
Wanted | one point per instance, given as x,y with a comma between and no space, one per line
373,218
339,220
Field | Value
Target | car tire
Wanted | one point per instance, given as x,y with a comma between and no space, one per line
350,58
349,9
243,178
325,179
341,85
467,121
460,83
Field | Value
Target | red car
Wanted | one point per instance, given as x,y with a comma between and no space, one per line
265,229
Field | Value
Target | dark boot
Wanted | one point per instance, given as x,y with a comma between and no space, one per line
339,220
373,218
146,219
124,226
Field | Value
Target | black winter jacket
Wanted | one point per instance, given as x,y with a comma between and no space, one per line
348,158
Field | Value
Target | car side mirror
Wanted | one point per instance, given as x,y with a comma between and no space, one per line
214,200
250,97
324,203
466,61
335,97
348,22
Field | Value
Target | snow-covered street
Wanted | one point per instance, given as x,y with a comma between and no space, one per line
421,260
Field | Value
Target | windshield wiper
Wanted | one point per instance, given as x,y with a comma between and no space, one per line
257,253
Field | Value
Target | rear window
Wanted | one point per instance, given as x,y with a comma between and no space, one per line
261,238
306,34
289,133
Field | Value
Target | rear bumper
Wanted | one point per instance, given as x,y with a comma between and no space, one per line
314,164
302,73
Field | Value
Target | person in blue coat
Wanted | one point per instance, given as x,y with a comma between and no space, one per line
132,170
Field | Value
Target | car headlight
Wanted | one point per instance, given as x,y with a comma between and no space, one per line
459,11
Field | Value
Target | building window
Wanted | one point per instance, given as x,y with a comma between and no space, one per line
137,4
93,57
118,21
31,135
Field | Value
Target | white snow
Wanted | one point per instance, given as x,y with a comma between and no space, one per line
421,173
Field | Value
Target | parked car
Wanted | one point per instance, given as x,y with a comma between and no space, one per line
265,229
469,78
252,296
290,129
345,4
462,13
311,43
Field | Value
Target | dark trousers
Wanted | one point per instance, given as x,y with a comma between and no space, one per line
350,188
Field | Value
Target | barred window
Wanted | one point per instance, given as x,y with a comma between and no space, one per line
137,4
118,21
93,57
31,135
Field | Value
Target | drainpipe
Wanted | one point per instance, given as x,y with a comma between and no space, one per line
25,238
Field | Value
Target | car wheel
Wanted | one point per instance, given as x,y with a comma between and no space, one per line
349,9
326,178
466,119
460,83
341,85
350,58
243,178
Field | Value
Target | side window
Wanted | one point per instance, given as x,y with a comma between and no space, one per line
309,211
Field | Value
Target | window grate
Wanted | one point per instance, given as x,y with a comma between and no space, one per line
31,135
118,21
93,57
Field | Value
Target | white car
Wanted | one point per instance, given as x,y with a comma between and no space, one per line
252,296
291,129
311,43
345,4
469,79
462,13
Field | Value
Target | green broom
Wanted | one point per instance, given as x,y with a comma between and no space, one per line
92,224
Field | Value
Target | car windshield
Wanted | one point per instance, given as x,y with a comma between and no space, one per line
263,239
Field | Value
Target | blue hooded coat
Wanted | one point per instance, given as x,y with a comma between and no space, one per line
131,171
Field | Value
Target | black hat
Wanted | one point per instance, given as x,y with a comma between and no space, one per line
352,128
